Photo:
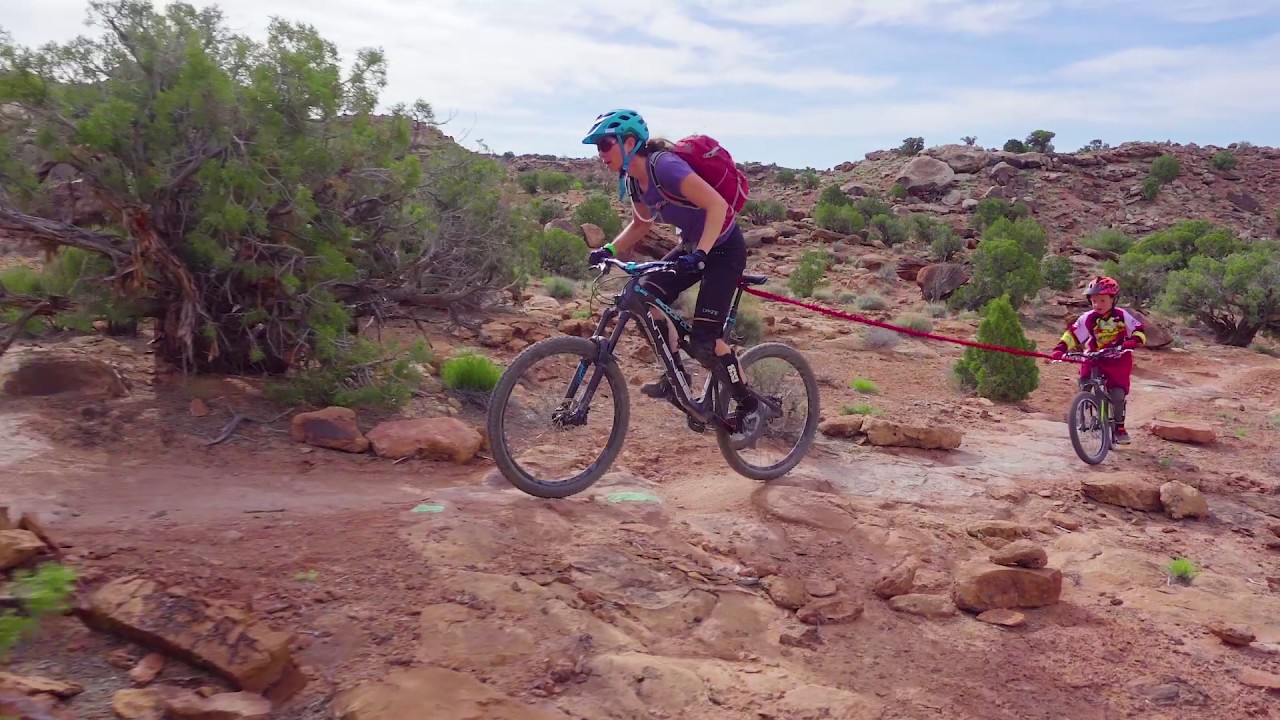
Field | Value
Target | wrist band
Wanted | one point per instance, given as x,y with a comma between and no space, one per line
612,250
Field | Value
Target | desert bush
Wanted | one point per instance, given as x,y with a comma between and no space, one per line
997,375
597,210
809,272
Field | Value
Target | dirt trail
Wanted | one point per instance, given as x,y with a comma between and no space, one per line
593,608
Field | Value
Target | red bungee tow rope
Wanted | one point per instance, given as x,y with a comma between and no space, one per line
906,331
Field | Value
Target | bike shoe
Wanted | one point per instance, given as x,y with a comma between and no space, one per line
1122,436
661,389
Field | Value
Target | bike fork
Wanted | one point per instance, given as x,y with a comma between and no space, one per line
604,353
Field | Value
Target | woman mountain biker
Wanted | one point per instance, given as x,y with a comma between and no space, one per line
712,247
1107,325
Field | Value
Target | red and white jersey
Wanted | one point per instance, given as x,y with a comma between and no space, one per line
1094,330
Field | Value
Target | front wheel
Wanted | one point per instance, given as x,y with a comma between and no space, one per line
558,412
788,417
1090,431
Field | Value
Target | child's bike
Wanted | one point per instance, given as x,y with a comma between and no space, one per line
1090,416
515,411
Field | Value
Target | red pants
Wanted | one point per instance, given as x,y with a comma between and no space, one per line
1115,371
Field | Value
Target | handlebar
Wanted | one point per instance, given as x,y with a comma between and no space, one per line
1105,352
634,268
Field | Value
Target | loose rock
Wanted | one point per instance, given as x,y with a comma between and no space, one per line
1183,501
982,586
1021,553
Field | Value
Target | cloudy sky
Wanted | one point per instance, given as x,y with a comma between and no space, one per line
800,82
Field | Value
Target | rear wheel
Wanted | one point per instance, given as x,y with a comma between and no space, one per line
1090,433
532,406
786,421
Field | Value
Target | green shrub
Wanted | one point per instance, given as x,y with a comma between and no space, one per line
809,272
839,218
529,181
555,182
470,372
946,244
860,409
1224,160
890,230
1112,240
557,252
898,191
1000,267
936,310
1056,271
1150,187
558,287
833,195
597,210
366,374
864,386
785,176
997,375
1014,145
544,211
1166,168
809,180
763,212
990,210
40,593
911,146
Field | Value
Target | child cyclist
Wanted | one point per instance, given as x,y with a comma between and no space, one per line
712,247
1106,326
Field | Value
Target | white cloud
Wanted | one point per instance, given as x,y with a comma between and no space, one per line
967,16
487,55
742,68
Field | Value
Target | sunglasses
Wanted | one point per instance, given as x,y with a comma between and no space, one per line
604,144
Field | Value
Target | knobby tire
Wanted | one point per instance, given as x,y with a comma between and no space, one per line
725,440
1073,421
563,345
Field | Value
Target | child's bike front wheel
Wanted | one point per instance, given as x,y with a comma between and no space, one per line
1090,430
560,402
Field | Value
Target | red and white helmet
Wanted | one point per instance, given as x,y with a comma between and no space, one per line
1102,286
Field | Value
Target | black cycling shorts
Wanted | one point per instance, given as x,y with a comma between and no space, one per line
722,269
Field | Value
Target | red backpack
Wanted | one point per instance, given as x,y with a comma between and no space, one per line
715,165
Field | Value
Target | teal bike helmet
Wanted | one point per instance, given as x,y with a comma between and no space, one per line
619,124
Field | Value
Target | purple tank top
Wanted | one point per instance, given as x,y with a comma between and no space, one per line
671,170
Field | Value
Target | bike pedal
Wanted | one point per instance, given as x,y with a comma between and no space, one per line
696,426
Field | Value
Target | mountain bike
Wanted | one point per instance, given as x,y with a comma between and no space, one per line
1090,410
596,372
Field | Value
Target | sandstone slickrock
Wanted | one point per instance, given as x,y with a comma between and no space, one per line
805,507
218,636
436,693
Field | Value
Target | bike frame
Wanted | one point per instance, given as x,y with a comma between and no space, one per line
1095,383
632,303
